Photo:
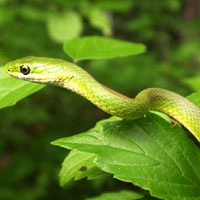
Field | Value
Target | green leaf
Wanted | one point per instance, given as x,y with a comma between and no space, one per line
148,152
193,82
122,195
195,98
78,165
96,47
12,90
64,26
100,20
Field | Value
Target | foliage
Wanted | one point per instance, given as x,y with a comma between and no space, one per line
139,151
15,90
100,48
151,157
29,165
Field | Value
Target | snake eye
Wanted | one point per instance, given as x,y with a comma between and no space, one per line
25,69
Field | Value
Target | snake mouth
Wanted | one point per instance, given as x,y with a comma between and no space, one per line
13,74
42,78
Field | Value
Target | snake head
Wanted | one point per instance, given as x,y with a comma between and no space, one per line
35,69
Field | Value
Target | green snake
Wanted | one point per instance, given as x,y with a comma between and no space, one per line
68,75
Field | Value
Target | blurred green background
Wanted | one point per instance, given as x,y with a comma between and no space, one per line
29,165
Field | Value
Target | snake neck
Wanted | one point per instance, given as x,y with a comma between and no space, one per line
103,97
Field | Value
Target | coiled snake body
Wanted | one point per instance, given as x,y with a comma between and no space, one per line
68,75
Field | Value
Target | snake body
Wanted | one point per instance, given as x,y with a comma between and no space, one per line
68,75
